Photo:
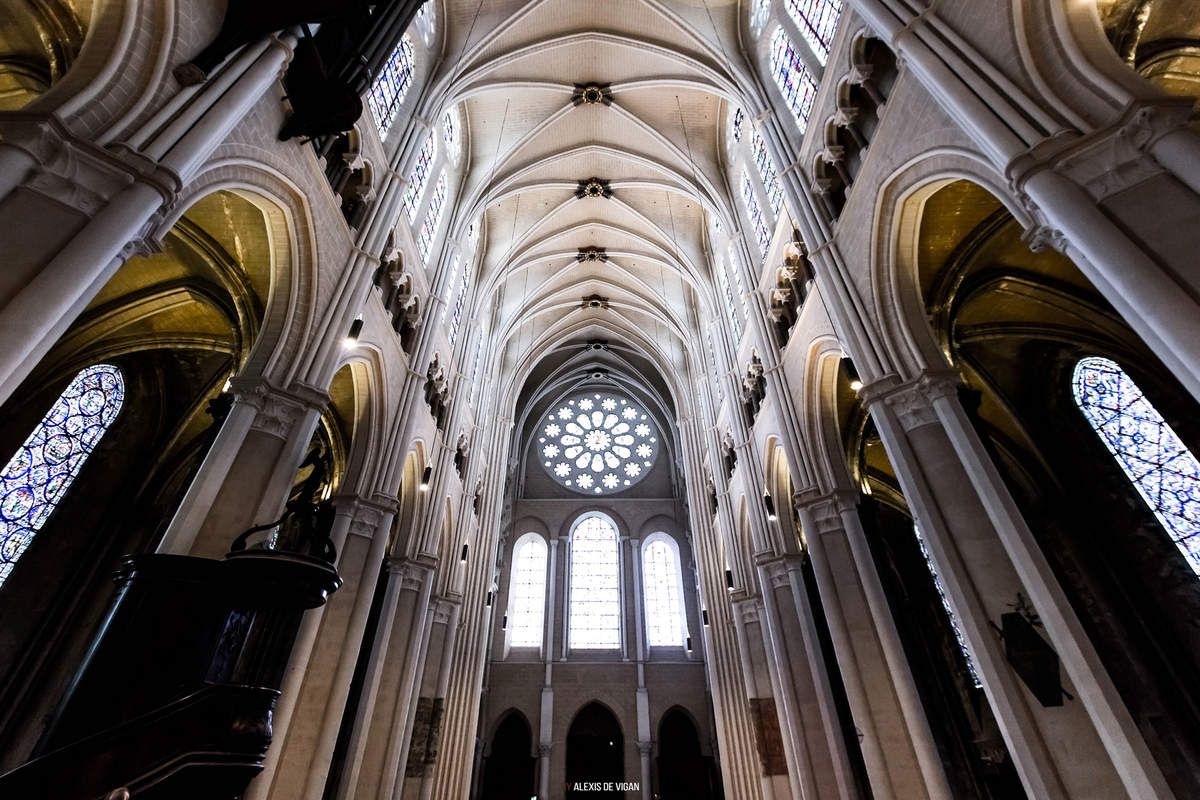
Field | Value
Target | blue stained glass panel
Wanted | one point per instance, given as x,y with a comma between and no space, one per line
817,21
1158,464
795,82
37,477
389,89
766,171
433,217
735,124
418,178
761,233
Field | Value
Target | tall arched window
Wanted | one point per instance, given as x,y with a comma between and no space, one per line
418,179
389,89
595,617
766,171
527,592
433,218
460,301
662,589
38,476
795,83
735,322
1151,454
817,20
762,234
958,635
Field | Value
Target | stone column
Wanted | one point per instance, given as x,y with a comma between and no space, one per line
85,209
987,560
898,749
319,684
247,474
376,749
544,771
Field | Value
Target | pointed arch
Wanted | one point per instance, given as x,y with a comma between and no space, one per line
39,474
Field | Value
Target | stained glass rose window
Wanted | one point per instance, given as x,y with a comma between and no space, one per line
597,443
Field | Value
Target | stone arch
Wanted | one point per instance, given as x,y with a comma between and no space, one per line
289,319
908,344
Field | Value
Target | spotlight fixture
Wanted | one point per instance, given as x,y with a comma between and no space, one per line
488,603
729,579
704,616
355,330
856,383
769,502
688,644
425,476
504,622
463,557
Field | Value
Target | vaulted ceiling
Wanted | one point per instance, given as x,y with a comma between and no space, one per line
536,137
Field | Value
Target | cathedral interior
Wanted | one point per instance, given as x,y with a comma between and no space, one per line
543,399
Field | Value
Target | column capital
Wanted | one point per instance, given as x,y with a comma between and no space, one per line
411,573
278,410
1107,160
912,401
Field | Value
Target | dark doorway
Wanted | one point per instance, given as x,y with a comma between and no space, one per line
595,753
683,771
508,767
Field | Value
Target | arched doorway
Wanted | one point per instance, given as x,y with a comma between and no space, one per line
595,752
508,766
683,771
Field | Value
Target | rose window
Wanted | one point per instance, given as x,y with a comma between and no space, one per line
597,443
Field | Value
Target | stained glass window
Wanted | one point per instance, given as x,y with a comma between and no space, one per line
595,615
662,588
735,269
597,443
460,301
1158,464
759,13
761,234
37,477
452,132
735,124
766,171
389,89
418,179
527,592
792,77
958,635
735,321
450,284
817,20
433,218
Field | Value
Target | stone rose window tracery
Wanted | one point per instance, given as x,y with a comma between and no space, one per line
597,443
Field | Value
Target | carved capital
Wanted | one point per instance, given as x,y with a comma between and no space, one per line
913,402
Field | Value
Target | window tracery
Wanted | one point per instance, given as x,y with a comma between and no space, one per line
389,89
1153,457
37,477
766,171
594,621
795,83
662,590
817,21
597,443
762,235
527,592
418,178
433,218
